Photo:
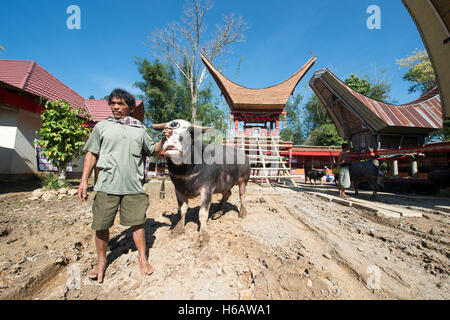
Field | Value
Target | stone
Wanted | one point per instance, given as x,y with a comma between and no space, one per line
327,255
38,193
72,192
63,191
342,202
371,233
309,283
49,197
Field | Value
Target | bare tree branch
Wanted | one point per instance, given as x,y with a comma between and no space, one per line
179,43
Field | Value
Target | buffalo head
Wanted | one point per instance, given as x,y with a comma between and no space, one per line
179,143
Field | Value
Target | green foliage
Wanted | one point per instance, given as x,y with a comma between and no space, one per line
316,114
62,133
163,99
293,125
420,72
50,181
91,96
325,135
383,166
167,96
377,89
319,125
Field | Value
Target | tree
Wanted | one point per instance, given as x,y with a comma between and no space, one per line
293,125
62,134
163,100
377,89
179,43
91,96
325,135
420,72
422,77
167,96
320,129
319,126
316,114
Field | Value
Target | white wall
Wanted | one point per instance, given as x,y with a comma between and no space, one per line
17,133
8,131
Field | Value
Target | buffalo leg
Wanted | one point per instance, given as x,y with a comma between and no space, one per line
355,185
203,215
182,207
374,188
242,210
225,197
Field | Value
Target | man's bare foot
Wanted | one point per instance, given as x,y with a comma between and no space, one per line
98,272
145,266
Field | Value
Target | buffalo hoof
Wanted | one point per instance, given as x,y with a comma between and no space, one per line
242,212
177,231
203,238
217,215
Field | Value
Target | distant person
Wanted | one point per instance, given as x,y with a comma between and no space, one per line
344,170
118,147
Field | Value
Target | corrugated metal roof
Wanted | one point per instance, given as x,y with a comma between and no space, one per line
425,112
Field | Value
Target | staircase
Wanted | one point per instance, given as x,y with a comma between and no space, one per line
268,165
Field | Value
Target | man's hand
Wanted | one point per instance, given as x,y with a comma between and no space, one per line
82,191
168,131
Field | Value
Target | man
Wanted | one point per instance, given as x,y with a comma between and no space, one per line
118,147
344,170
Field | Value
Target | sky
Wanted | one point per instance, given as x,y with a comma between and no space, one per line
282,33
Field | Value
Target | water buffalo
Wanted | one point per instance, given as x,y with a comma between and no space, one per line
199,169
367,171
439,178
315,175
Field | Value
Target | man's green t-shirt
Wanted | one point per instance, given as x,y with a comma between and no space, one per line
122,150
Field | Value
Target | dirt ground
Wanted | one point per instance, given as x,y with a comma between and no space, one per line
292,245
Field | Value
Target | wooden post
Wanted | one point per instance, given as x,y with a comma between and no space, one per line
395,168
414,170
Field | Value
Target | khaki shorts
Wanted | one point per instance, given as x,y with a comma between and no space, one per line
133,208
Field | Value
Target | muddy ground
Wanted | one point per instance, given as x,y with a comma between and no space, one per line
292,245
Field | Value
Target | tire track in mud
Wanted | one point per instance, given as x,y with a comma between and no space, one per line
342,264
336,256
339,224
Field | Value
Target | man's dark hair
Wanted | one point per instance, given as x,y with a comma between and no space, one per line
344,145
122,94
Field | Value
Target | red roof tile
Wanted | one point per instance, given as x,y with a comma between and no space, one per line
32,78
100,110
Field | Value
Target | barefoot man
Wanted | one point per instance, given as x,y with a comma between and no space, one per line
118,147
344,170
